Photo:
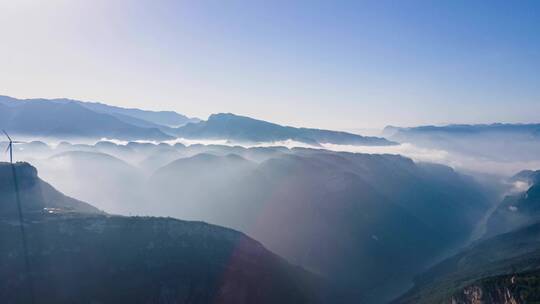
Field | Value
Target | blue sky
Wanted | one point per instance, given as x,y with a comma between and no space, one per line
331,64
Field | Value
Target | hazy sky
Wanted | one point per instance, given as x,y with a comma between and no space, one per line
331,64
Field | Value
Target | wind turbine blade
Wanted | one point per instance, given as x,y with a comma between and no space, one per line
6,135
18,142
7,148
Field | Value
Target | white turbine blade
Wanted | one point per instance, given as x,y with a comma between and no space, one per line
7,148
18,142
6,135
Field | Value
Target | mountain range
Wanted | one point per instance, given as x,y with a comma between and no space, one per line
244,129
360,226
339,227
66,119
62,119
365,223
335,214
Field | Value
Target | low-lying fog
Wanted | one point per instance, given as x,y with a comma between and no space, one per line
497,155
109,173
113,174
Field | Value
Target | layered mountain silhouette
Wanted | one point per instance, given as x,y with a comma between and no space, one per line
245,129
108,182
361,226
367,222
138,116
66,118
78,254
50,118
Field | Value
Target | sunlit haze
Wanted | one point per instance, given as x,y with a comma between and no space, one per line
337,65
269,151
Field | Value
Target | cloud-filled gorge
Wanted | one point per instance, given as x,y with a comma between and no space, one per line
363,215
288,198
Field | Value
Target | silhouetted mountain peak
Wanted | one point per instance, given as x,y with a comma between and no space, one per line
206,161
246,129
227,115
234,117
26,173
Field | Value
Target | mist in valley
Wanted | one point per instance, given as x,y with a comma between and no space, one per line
323,207
365,214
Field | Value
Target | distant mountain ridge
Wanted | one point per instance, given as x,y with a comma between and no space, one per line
66,118
533,128
47,118
155,118
495,142
164,118
245,129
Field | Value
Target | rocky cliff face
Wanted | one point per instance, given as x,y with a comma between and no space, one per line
507,289
502,269
517,210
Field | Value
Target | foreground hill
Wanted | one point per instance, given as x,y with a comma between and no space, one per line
79,255
367,222
104,259
244,129
38,196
